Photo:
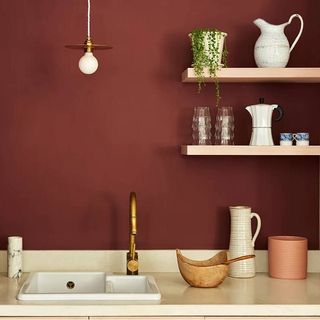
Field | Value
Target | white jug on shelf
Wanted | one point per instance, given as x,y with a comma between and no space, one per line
272,49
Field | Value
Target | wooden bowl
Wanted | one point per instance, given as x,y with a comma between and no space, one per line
203,274
207,273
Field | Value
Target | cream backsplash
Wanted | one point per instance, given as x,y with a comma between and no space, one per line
115,260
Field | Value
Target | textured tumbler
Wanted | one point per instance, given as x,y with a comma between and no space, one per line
201,126
224,126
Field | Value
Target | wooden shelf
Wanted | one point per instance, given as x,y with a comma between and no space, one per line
193,150
286,75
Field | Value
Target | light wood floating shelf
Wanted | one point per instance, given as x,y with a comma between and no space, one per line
289,75
193,150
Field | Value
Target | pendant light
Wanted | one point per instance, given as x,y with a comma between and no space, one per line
88,63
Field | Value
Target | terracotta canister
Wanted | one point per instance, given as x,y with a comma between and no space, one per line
287,257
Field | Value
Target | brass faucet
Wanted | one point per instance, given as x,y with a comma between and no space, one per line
132,255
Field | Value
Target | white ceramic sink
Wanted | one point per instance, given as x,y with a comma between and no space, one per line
88,286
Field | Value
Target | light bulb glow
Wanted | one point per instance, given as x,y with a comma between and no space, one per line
88,63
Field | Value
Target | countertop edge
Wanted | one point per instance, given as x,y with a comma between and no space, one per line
161,310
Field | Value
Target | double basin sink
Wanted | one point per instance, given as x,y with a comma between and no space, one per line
88,286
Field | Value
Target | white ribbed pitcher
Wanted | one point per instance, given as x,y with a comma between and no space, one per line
242,242
272,49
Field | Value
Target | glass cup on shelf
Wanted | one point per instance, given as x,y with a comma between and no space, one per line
201,126
224,126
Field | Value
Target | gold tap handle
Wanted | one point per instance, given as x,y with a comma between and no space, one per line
133,263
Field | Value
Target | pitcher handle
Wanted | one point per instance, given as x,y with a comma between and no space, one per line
255,215
301,28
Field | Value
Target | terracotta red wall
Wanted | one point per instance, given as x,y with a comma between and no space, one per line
73,147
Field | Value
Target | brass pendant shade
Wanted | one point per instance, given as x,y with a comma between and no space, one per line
88,63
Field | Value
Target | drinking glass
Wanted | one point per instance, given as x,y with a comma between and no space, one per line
201,126
224,126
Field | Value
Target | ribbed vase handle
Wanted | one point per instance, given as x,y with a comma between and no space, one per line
255,215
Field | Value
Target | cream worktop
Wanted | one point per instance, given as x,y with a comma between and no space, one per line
259,296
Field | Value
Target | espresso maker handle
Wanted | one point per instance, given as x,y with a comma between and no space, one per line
280,111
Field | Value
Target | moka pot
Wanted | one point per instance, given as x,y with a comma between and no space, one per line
261,115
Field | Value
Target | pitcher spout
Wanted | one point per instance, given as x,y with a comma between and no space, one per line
260,23
265,26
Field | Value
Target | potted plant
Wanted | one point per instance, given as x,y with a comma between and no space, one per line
209,53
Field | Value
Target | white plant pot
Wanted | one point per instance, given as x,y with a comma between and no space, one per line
218,39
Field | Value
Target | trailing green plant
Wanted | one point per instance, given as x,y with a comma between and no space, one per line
207,57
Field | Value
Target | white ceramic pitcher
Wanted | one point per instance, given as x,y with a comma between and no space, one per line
272,49
241,241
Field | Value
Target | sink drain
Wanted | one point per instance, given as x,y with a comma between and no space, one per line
70,284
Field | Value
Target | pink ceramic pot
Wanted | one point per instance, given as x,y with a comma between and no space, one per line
287,257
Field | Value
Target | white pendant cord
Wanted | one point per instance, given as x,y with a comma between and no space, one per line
88,63
89,7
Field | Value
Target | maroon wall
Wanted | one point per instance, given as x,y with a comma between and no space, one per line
74,146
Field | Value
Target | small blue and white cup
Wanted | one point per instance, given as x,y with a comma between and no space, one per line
302,138
286,139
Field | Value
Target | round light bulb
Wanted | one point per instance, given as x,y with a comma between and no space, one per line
88,63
